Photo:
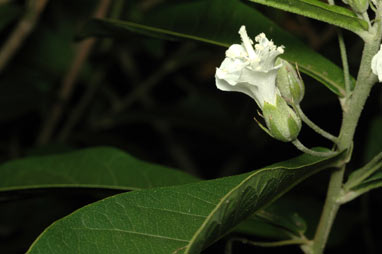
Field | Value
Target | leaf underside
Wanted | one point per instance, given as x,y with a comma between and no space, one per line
177,219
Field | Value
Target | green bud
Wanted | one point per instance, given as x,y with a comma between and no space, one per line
282,122
289,83
359,6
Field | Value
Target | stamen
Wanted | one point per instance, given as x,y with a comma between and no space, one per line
247,42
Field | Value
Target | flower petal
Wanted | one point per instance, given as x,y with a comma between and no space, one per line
251,70
376,64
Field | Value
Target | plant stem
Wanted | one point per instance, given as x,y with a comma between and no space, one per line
345,64
304,149
329,211
351,113
297,241
68,83
344,58
22,30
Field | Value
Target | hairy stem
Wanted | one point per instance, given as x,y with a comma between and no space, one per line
304,149
351,113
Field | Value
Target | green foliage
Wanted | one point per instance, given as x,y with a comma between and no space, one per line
196,19
102,167
370,175
67,103
278,221
315,9
179,219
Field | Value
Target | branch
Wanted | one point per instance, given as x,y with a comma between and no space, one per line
24,27
69,81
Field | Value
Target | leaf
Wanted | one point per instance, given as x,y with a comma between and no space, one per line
369,176
364,179
217,22
101,167
361,175
178,219
373,182
278,221
315,9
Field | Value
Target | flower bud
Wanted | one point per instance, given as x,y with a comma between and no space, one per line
359,6
289,83
282,122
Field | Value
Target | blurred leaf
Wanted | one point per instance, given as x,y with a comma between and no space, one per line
8,13
101,167
217,22
177,219
18,96
332,14
50,50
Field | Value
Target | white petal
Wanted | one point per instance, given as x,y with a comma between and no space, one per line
265,83
376,64
236,51
238,87
249,70
230,70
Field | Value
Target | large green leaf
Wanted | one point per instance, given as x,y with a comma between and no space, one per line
218,22
315,9
101,167
178,219
98,167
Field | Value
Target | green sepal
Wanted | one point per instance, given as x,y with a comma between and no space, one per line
282,122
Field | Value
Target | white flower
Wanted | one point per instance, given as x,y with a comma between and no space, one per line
376,64
251,70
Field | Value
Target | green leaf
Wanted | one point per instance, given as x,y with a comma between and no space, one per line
361,175
315,9
218,22
177,219
278,221
101,167
373,182
369,176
